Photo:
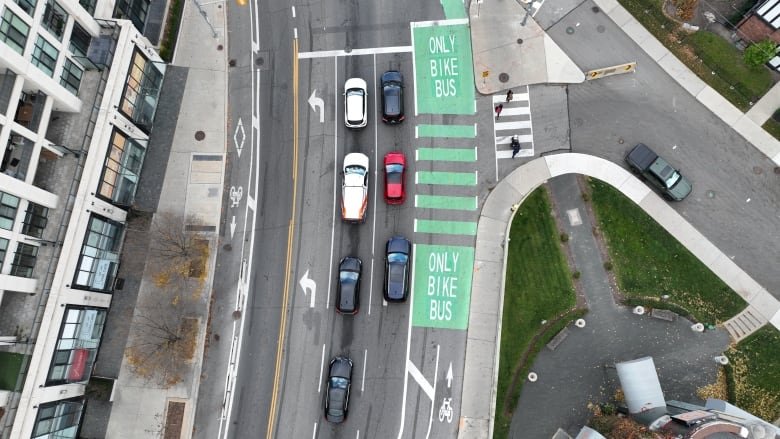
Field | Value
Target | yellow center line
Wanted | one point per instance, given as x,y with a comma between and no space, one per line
288,264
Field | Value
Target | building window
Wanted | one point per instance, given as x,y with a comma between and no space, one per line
139,99
121,170
71,76
54,19
45,56
99,257
8,206
35,220
58,419
77,346
27,6
88,5
13,30
3,248
133,10
79,40
24,260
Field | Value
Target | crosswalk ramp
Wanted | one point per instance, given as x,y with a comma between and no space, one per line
515,119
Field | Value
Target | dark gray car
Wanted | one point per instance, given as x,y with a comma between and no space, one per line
392,83
398,253
644,161
348,294
337,393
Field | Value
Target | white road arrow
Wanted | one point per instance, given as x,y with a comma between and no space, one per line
232,226
308,285
449,376
315,102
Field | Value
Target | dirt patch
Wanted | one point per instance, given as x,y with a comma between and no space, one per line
173,420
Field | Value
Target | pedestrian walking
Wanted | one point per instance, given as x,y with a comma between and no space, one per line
499,107
509,96
515,145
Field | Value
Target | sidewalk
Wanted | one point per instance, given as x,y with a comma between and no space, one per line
191,190
477,411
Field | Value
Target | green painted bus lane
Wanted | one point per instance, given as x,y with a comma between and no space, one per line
448,178
444,76
442,286
468,228
453,131
447,154
445,202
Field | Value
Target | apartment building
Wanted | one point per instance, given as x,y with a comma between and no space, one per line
79,85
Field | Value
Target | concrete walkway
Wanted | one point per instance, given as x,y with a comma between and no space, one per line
477,411
191,190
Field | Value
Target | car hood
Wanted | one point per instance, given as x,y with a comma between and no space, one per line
681,189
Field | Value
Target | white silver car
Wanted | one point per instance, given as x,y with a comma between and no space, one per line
354,188
355,103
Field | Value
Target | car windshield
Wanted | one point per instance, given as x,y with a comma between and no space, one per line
397,258
355,170
672,179
394,173
348,276
338,383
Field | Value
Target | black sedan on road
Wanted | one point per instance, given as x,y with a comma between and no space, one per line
397,260
337,393
392,83
348,295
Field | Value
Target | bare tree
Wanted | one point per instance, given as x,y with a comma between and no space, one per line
178,254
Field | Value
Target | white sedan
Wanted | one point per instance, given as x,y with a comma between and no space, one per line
354,188
355,103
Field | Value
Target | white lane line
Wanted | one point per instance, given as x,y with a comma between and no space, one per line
414,75
376,183
433,401
322,366
314,431
408,341
418,376
522,138
513,125
256,41
358,434
335,174
495,147
295,33
355,52
439,22
293,11
515,111
365,359
517,97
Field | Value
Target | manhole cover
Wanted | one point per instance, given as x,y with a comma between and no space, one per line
757,170
600,29
569,30
710,194
200,135
259,61
503,77
219,47
519,41
232,63
595,9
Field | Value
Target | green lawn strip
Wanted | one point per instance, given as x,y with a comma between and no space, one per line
772,127
704,52
10,365
754,373
538,287
650,263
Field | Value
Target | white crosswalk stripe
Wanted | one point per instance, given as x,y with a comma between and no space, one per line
515,120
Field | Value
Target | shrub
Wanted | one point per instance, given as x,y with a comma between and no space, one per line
564,237
608,265
576,275
759,53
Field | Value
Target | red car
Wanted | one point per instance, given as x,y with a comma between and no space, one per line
395,171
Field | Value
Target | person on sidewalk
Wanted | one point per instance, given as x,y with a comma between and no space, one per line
499,107
509,96
515,145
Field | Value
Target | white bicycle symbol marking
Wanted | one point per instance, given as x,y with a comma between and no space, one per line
235,195
446,410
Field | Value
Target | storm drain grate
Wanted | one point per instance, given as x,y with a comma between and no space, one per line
173,420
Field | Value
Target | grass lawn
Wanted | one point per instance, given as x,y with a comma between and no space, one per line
10,364
648,262
704,52
772,127
538,287
755,373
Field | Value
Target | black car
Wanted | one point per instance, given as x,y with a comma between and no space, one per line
392,97
398,253
348,295
337,393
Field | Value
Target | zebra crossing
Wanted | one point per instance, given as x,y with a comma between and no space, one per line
515,119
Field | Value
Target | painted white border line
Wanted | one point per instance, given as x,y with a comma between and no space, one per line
454,21
355,52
